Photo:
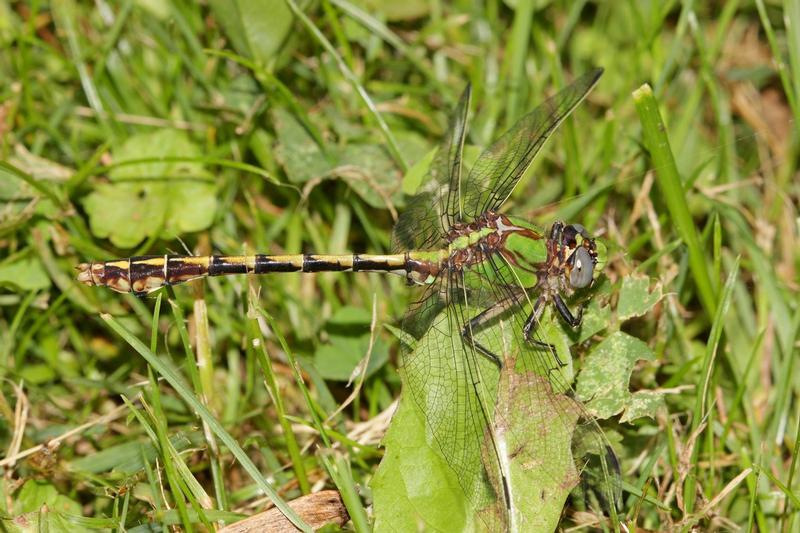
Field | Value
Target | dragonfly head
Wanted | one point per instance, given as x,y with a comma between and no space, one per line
580,264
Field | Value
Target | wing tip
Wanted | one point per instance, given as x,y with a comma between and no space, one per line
594,74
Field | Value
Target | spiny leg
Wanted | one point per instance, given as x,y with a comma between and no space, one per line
532,323
563,310
484,317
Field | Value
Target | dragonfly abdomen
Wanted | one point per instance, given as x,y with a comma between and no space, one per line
147,273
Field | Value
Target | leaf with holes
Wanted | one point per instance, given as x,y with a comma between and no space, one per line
603,382
643,403
636,298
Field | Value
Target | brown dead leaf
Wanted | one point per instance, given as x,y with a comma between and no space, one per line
315,509
767,113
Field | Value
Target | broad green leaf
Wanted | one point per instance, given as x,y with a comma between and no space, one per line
27,274
636,298
553,331
159,198
417,151
46,519
126,213
414,488
36,493
349,315
20,200
543,465
424,478
643,403
596,311
296,149
391,10
257,28
603,382
535,461
336,360
408,340
417,173
369,171
37,373
596,318
40,168
199,203
367,168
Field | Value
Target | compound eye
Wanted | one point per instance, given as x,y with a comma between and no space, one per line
581,231
582,269
571,232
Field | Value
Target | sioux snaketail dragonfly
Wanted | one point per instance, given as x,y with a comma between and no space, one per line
477,267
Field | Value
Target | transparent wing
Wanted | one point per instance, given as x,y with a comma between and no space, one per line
441,376
556,443
500,166
435,207
505,433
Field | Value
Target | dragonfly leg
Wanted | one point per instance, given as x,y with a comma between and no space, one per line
566,314
532,323
533,320
555,231
466,334
476,322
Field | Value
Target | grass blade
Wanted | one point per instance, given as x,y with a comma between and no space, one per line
177,383
257,342
707,371
339,469
657,142
348,74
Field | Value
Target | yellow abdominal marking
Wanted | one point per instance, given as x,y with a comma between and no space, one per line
294,260
155,261
202,260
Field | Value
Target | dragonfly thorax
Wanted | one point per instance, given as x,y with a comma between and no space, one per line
512,251
476,242
509,251
495,248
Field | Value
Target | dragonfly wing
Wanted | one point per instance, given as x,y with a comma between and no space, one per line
499,168
435,206
506,433
553,442
442,374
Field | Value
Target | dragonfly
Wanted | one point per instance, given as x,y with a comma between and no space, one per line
486,279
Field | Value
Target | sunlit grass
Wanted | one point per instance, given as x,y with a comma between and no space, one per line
300,132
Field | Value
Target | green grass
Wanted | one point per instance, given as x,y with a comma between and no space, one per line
283,128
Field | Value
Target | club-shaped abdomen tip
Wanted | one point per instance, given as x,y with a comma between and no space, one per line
85,274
